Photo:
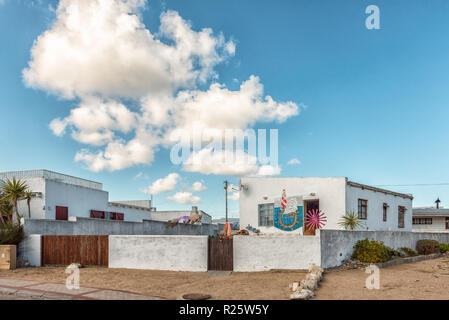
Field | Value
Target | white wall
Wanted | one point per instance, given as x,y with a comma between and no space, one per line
266,252
438,224
37,204
176,253
79,200
329,191
30,250
131,214
375,209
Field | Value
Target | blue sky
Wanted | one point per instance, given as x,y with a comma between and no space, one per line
376,99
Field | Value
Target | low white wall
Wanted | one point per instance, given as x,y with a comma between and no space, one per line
30,250
175,253
266,252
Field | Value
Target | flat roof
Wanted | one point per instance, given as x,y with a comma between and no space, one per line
427,212
364,186
51,175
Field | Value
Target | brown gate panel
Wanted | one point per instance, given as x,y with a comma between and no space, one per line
220,254
86,250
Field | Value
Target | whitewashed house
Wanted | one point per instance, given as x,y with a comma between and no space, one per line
60,196
431,218
379,209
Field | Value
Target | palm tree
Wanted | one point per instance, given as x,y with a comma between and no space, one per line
28,196
6,209
13,191
351,221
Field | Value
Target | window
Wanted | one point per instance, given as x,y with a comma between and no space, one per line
447,223
97,214
266,215
62,213
401,216
385,209
422,220
363,209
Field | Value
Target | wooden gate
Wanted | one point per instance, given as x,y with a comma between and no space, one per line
86,250
220,254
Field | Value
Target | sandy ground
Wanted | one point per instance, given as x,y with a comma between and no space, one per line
172,285
420,280
427,279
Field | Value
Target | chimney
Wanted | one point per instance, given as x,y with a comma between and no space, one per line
438,203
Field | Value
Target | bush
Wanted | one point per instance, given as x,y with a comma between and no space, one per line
408,252
444,247
11,234
371,251
428,246
392,253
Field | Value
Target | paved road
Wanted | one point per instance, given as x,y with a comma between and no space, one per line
17,289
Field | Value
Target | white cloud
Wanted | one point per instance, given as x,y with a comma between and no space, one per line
233,192
223,162
164,184
100,53
293,161
184,198
198,186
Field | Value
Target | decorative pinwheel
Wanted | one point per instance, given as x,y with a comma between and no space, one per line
315,219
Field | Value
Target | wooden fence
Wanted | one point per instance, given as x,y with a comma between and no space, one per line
86,250
220,254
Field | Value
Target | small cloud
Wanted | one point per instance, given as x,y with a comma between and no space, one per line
294,161
163,185
198,186
184,198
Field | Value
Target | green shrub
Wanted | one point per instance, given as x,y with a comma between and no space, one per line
444,247
11,234
371,251
408,252
428,246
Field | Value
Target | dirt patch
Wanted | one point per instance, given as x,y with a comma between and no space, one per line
419,280
172,285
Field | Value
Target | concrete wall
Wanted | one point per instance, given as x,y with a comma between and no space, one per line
337,245
329,191
376,200
266,252
438,224
176,253
131,213
30,250
87,226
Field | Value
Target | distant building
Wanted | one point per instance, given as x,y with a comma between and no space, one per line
261,208
60,196
431,218
170,215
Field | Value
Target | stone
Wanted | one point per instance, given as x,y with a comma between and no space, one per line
304,294
314,269
310,284
196,296
294,286
75,266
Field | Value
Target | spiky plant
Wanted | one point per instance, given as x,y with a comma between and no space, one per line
14,190
350,221
6,210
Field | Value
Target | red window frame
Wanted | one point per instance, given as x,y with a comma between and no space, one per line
401,217
113,215
120,216
95,214
363,204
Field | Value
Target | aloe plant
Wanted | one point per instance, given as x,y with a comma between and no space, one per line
350,221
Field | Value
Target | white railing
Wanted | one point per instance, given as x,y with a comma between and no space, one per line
50,175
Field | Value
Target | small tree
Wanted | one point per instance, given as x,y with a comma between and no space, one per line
28,196
6,210
350,221
14,190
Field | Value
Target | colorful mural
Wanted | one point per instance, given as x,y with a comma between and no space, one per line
288,213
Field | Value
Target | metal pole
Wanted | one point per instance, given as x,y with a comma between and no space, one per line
226,192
